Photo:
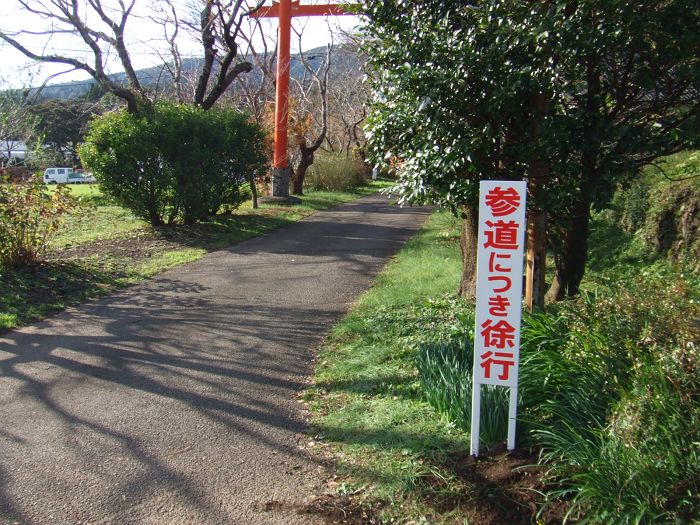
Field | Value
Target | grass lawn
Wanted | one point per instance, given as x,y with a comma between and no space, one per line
103,247
393,451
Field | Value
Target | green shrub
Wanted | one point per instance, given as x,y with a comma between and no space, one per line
609,388
643,466
335,172
609,391
29,217
177,163
633,203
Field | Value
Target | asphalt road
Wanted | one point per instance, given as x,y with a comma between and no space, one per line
176,400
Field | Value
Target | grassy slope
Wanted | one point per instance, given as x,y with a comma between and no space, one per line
101,248
366,396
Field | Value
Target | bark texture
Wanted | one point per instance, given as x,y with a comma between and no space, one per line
468,245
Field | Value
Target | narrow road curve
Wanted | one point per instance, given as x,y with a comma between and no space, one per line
176,401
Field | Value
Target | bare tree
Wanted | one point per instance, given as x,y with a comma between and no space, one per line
348,102
311,89
105,34
256,92
17,123
348,110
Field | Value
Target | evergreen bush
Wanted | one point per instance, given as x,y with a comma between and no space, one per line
174,163
608,392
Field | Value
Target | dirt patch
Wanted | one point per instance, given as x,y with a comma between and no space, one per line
498,488
139,245
342,510
136,249
334,510
503,487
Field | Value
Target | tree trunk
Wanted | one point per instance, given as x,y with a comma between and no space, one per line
468,244
573,249
557,290
575,254
535,259
537,219
571,254
253,190
307,159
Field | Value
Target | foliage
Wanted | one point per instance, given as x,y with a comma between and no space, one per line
17,124
445,95
177,164
609,389
577,95
334,172
29,218
643,466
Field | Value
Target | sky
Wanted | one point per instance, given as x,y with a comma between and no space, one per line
145,40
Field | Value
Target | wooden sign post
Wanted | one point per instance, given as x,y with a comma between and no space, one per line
284,10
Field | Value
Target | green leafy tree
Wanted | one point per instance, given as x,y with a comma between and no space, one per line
628,75
177,164
61,125
458,91
575,96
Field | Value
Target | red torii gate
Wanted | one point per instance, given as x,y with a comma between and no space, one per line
285,10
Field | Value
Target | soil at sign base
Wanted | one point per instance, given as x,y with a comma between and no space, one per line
334,510
507,489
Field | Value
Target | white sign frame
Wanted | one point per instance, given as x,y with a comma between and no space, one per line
499,284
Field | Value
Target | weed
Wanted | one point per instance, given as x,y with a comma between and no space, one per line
29,218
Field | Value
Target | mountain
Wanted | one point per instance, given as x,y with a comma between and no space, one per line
344,61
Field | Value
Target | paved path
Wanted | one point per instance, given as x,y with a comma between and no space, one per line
175,401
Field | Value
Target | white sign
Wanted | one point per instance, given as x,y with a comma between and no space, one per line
499,284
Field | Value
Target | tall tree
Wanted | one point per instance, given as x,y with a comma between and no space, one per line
100,28
61,125
453,86
629,74
576,96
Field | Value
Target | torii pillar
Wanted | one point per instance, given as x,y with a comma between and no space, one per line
285,10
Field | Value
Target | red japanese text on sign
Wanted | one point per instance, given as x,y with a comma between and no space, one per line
497,358
499,282
502,235
502,201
